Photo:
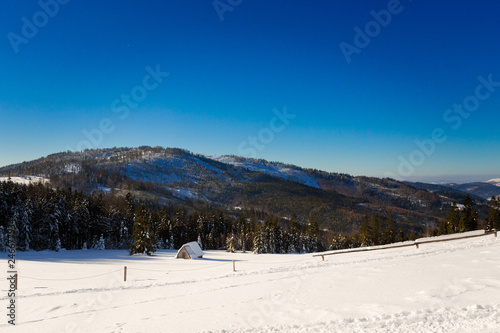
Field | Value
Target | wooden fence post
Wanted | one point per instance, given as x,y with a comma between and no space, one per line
416,245
124,273
234,266
323,257
495,230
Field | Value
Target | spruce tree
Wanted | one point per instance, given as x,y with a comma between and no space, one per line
494,213
390,232
375,226
337,243
277,236
242,227
3,243
101,244
258,242
469,218
143,235
295,240
312,235
452,219
365,232
444,227
230,244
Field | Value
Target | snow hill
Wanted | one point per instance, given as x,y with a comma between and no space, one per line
274,169
495,181
441,287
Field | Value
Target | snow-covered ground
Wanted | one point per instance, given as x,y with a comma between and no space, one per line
441,287
495,181
25,179
183,193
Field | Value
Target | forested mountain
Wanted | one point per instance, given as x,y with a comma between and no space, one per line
232,185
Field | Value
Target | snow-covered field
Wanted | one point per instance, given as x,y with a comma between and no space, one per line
441,287
26,180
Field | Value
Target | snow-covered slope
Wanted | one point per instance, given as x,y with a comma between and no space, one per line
441,287
273,169
495,181
24,179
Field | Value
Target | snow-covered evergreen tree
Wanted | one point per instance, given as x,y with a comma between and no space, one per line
144,240
336,243
58,245
171,242
3,244
230,244
101,243
199,241
292,243
21,222
257,242
159,244
124,235
312,235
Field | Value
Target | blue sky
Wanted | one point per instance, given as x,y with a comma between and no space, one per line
361,114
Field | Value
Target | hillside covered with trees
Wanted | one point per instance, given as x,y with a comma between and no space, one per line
169,196
45,218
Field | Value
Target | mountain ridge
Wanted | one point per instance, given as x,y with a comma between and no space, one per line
485,189
177,175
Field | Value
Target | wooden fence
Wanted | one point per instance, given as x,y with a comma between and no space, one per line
416,243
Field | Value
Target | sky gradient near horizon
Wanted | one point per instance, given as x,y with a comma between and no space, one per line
288,81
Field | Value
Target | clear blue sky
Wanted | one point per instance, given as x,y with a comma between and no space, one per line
225,77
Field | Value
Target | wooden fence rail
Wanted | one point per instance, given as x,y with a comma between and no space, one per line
415,243
486,233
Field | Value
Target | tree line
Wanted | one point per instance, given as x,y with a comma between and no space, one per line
377,231
374,231
460,219
44,218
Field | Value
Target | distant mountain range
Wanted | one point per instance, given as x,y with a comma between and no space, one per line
484,190
171,175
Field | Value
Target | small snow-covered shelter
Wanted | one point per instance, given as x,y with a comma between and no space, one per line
190,250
